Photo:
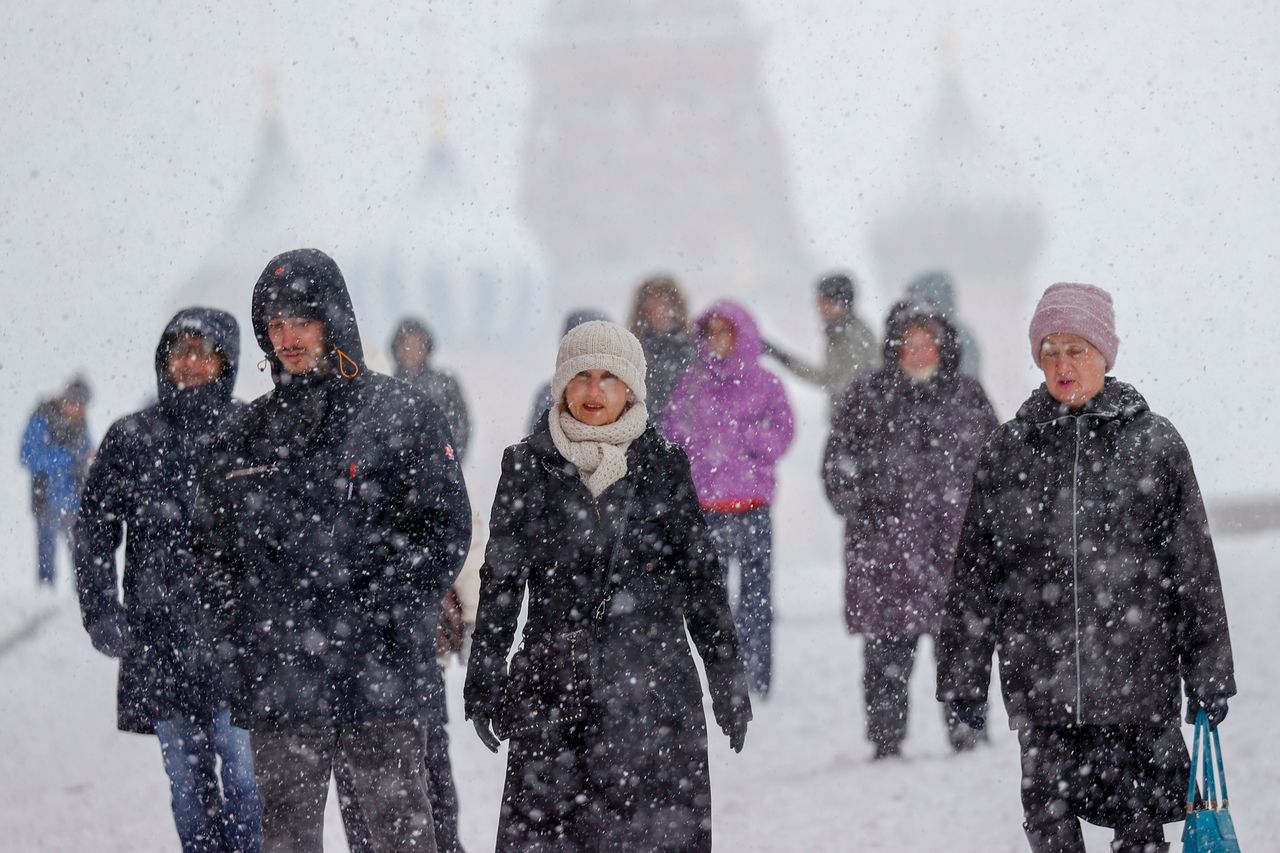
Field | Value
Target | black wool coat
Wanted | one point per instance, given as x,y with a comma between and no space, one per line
141,490
641,752
1086,563
331,520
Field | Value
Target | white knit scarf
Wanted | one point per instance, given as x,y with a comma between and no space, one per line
599,452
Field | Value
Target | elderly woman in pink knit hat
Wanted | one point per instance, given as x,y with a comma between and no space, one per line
597,521
1085,561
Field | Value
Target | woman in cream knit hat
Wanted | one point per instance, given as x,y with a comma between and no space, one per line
596,517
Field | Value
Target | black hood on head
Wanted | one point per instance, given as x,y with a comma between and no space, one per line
217,327
307,283
908,311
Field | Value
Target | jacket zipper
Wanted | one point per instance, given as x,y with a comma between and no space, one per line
1075,571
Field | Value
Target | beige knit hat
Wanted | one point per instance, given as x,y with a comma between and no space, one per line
600,345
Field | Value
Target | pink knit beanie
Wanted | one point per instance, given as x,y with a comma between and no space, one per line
1076,309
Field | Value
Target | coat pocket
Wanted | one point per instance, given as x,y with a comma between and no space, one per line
548,684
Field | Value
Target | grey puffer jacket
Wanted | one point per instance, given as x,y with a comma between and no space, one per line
1086,562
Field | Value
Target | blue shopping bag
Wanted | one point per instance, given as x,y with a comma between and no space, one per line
1208,828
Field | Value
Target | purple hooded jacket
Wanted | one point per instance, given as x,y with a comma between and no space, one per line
731,416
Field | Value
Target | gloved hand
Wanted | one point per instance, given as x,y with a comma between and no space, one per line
484,728
109,636
737,732
1214,706
971,712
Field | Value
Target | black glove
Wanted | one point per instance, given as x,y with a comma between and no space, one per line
484,728
971,712
737,732
109,636
1214,706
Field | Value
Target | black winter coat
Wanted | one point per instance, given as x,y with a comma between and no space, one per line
1086,563
643,744
898,467
332,518
144,480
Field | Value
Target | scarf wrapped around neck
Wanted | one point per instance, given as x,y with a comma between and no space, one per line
599,452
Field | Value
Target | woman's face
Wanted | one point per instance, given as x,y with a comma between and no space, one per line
1074,370
721,336
660,314
596,397
919,353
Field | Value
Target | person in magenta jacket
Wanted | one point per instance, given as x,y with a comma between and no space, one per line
733,420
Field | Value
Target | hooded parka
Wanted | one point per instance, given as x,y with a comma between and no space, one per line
898,468
332,518
631,772
1086,563
144,481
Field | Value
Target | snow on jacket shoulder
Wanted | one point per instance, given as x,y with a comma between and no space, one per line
1086,562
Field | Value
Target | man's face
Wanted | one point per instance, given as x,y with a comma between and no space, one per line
72,410
299,343
411,352
832,310
194,362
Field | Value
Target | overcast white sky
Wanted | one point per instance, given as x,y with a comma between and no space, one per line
1147,131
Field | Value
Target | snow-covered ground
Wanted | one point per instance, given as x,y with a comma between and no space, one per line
71,782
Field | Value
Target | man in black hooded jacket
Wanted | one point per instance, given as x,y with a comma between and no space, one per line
144,479
332,518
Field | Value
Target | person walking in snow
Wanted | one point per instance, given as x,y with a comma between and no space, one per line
1086,562
542,400
660,320
412,347
332,518
733,419
898,468
851,349
141,490
938,290
597,520
55,449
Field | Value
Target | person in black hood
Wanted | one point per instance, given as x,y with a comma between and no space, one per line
332,518
1085,562
144,481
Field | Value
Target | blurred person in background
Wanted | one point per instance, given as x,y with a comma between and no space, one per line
660,319
851,347
542,401
898,468
55,449
597,520
412,348
938,290
141,490
733,420
1086,563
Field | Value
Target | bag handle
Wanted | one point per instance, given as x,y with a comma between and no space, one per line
1195,759
1222,771
1211,787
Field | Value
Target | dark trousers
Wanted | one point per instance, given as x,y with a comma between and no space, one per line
440,791
387,772
51,525
886,677
1128,777
746,539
